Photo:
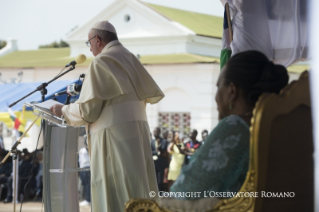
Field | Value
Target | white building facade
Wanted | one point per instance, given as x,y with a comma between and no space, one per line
144,31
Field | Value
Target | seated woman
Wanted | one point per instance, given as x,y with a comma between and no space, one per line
221,164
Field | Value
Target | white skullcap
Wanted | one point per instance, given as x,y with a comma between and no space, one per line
104,25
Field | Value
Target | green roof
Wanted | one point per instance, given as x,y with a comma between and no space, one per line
201,24
50,57
59,57
177,58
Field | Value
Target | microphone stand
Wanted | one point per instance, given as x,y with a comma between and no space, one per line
43,90
68,98
42,87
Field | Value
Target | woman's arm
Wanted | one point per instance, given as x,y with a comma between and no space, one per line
170,148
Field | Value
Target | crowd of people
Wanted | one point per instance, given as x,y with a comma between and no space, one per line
30,168
170,152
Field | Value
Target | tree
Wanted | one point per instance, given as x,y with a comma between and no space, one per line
64,44
55,45
2,44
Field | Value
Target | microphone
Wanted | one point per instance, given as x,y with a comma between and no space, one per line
78,60
71,90
60,93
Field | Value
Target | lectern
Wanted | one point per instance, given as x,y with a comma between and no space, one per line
60,163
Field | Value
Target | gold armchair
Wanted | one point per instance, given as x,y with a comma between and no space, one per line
280,164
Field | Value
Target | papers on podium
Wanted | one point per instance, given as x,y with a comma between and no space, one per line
43,110
47,105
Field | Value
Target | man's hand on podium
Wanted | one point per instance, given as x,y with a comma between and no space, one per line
57,110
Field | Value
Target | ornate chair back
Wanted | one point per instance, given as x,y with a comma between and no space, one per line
283,128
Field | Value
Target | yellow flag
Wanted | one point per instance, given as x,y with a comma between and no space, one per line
22,120
22,114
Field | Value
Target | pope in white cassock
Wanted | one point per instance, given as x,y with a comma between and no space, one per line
112,107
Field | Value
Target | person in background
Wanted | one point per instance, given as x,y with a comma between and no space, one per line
204,136
160,155
161,168
191,146
158,144
39,176
165,135
223,164
6,169
25,166
84,162
170,136
177,159
1,144
35,168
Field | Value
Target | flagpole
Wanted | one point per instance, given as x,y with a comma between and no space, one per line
230,29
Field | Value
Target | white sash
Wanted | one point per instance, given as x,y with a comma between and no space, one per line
119,113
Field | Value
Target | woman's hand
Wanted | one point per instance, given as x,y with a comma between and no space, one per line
170,147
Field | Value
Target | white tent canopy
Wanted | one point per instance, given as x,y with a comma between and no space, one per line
279,29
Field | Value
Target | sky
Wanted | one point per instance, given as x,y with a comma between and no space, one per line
38,22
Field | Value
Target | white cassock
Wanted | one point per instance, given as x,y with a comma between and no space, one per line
112,107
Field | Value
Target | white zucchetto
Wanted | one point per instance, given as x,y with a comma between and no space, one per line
104,25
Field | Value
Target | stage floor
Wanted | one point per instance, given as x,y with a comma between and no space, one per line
32,207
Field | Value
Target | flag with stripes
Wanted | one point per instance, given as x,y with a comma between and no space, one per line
14,118
226,40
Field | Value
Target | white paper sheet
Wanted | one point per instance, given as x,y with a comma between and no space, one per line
48,104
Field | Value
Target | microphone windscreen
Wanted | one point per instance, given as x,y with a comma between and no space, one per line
80,59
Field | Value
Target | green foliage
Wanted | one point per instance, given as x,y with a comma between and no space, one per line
2,44
55,45
64,44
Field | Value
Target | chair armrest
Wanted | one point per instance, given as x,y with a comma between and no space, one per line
178,205
137,205
171,205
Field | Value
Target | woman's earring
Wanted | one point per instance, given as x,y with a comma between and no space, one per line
230,106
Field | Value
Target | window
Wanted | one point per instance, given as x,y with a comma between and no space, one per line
176,121
127,18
